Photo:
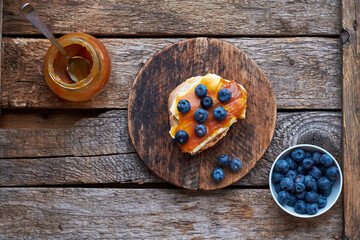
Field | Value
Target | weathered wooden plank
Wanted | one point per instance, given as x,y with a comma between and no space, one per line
304,72
78,213
320,128
114,18
1,20
351,115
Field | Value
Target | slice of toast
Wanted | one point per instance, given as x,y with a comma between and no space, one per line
182,90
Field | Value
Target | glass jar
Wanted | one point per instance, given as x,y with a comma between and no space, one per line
88,47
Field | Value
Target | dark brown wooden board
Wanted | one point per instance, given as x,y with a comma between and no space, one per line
149,120
186,17
115,213
350,38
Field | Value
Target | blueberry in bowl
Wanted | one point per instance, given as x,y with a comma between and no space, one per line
305,180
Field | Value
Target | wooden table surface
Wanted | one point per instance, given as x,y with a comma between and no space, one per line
69,170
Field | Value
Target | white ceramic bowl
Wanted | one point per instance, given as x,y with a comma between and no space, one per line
336,188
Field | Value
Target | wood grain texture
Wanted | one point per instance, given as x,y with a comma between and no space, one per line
304,72
1,20
77,213
319,128
141,17
149,112
351,116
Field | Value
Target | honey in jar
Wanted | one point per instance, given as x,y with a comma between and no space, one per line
95,75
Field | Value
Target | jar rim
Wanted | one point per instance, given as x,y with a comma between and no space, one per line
93,71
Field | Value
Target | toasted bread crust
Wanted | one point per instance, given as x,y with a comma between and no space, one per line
174,121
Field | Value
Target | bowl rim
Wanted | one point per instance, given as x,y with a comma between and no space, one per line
321,150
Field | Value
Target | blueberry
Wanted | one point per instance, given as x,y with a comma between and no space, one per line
292,200
314,188
300,206
217,174
311,197
200,130
277,187
298,155
309,181
323,169
324,183
301,195
316,158
292,163
299,187
315,172
206,102
181,137
326,193
307,163
301,170
276,177
281,166
308,155
326,160
224,95
291,174
220,113
223,160
299,178
283,197
322,201
286,184
201,90
235,165
312,208
201,115
183,106
332,173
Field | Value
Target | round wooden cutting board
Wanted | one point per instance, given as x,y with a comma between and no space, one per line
148,116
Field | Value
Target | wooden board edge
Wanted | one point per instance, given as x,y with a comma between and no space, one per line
350,39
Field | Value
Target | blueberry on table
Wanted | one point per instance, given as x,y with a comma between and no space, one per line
281,166
283,197
286,184
201,115
276,177
324,183
291,174
224,95
183,106
217,174
299,187
292,200
220,113
300,207
292,163
301,195
307,163
315,172
316,158
277,187
312,208
309,181
311,197
299,178
332,173
201,90
301,170
322,201
206,102
223,160
326,160
235,165
200,130
181,137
